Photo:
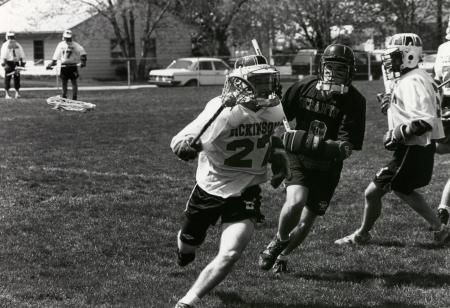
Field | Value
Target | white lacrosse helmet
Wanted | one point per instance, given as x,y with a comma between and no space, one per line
264,78
67,34
410,45
10,35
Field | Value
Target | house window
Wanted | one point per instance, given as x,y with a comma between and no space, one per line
116,52
38,52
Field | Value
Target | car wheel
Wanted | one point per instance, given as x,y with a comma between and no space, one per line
192,83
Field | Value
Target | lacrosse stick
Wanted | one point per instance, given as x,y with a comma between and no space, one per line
60,103
16,71
236,90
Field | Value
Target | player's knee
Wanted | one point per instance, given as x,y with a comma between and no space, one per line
372,193
229,257
192,233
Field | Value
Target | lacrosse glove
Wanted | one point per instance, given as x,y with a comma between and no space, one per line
384,99
185,150
403,132
50,66
22,63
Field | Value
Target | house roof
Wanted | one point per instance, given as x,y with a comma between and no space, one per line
43,16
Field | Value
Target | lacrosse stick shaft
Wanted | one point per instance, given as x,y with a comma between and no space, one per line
256,47
443,83
208,124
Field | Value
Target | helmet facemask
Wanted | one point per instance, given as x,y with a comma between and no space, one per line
335,76
263,87
392,60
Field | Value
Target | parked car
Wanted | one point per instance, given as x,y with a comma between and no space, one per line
191,72
307,61
428,63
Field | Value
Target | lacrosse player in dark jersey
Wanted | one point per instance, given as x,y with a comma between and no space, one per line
330,123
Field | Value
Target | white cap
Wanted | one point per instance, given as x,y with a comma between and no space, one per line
9,33
67,34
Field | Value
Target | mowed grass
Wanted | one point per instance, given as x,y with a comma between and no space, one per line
90,205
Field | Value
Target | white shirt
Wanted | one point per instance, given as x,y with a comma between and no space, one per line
68,52
415,97
12,51
442,66
235,147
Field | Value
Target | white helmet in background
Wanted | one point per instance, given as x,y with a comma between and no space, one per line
10,35
67,34
263,78
403,51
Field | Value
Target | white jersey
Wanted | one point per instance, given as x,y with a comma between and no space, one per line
415,97
234,148
12,51
69,52
442,65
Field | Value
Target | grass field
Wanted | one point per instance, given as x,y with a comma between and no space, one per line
90,205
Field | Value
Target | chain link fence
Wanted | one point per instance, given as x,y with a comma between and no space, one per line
130,72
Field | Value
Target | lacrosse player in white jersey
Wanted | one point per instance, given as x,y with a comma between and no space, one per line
12,57
442,74
232,161
71,55
414,125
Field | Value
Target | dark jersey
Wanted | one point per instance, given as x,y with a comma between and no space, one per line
343,114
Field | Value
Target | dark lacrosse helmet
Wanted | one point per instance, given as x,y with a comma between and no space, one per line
336,69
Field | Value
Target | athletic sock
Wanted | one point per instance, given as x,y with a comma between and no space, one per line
283,257
190,298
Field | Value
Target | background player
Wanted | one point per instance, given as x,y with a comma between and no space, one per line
12,56
331,104
231,165
71,54
442,74
414,124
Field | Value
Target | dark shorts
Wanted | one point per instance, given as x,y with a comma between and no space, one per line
69,72
10,68
321,180
204,210
410,168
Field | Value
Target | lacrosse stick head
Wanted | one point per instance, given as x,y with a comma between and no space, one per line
252,81
60,103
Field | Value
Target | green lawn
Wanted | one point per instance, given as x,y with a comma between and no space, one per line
90,205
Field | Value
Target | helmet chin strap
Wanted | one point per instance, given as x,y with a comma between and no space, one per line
331,87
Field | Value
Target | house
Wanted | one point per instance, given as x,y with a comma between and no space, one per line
39,25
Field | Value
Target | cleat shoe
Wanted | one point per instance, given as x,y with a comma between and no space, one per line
280,266
7,96
443,215
17,95
184,259
354,239
183,305
268,257
439,237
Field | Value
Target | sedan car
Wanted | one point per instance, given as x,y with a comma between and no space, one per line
191,72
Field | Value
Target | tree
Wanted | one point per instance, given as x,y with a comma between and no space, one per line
214,19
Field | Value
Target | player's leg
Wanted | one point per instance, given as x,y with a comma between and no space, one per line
235,238
444,205
296,196
64,82
8,77
74,81
372,211
416,201
202,210
17,85
296,237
